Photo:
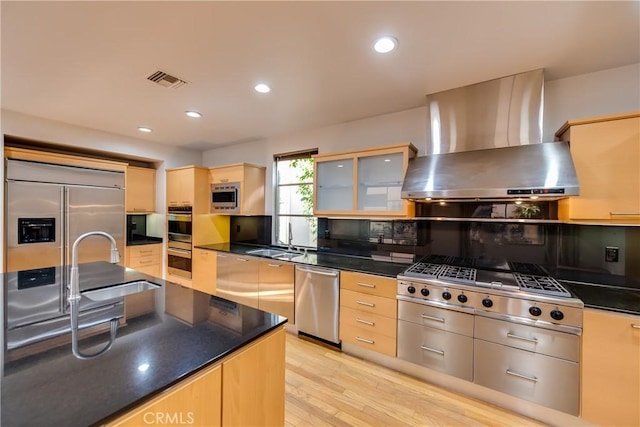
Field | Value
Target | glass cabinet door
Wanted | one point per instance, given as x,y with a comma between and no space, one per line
335,185
380,181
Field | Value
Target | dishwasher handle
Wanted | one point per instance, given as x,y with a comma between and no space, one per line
321,273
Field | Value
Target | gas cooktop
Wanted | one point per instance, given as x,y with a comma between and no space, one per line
487,273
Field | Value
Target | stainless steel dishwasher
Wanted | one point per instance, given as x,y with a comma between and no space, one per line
317,304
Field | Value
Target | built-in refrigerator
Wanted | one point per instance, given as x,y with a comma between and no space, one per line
48,206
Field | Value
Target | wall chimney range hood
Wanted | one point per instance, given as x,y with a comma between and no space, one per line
485,144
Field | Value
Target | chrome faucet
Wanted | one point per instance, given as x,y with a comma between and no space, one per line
291,247
74,296
74,283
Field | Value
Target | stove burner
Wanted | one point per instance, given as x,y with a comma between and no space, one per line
423,270
541,285
463,275
526,268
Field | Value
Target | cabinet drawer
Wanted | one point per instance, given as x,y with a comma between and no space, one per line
448,320
369,284
368,321
145,250
369,303
144,261
532,376
369,340
436,349
551,343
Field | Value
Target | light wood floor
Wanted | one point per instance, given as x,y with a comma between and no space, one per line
328,388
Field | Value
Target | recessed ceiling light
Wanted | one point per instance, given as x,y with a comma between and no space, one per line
144,129
262,88
385,44
193,114
387,160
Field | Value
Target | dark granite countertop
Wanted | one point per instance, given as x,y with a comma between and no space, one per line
321,259
602,290
148,240
51,387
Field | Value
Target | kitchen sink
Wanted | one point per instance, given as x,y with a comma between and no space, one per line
118,291
266,252
287,255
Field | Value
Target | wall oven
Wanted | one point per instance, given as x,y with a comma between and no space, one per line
179,221
225,198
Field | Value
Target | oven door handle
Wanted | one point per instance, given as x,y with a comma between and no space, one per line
183,253
524,377
518,337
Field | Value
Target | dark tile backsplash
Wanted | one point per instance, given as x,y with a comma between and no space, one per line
572,252
250,229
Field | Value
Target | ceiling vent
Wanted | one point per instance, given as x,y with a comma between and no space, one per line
166,80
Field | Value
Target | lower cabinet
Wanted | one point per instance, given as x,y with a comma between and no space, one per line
245,389
276,288
611,368
368,311
204,270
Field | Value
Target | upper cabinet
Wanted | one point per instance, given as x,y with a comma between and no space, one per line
366,182
251,180
181,183
606,154
140,189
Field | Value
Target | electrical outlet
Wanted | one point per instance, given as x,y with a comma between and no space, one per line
611,253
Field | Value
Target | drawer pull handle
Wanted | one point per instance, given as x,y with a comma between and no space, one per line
635,326
275,265
365,340
437,319
432,350
366,285
366,322
518,337
145,261
368,304
624,213
145,252
242,259
524,377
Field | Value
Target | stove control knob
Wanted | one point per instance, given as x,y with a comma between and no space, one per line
411,289
424,292
487,302
535,311
463,298
557,314
446,295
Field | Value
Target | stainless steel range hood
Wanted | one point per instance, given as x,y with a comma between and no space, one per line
485,143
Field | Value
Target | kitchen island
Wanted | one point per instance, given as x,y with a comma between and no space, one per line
152,358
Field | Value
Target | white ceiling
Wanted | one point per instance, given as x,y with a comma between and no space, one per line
86,63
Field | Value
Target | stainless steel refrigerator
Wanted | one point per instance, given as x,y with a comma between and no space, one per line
48,206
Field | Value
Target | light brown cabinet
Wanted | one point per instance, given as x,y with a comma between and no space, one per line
252,184
204,266
366,182
611,368
146,259
140,189
368,311
245,389
181,186
606,154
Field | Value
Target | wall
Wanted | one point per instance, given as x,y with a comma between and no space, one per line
616,90
604,92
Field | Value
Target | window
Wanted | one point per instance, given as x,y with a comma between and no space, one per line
295,223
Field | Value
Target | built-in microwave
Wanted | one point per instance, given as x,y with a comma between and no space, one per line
225,198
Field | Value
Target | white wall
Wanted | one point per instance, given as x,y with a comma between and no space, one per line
605,92
616,90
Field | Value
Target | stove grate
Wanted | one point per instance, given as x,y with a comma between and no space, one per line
459,274
423,269
541,284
